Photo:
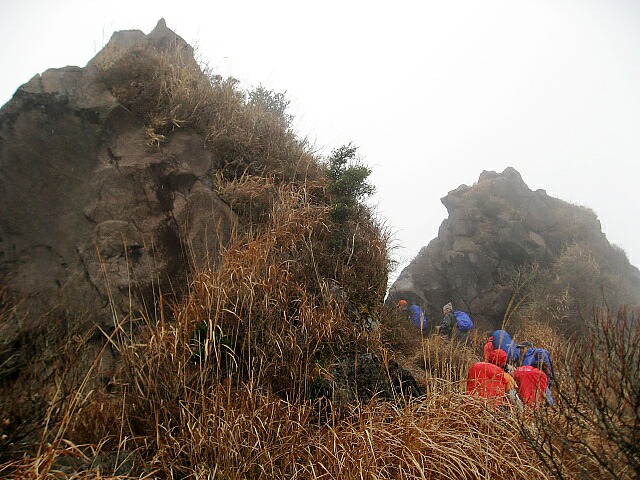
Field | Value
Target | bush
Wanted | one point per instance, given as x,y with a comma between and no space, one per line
346,183
271,102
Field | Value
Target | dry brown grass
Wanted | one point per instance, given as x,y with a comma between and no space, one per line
207,419
170,90
443,437
567,294
435,361
234,381
446,361
593,431
243,432
266,311
243,402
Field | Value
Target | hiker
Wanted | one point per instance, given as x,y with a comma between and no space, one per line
464,325
448,321
501,340
532,384
402,306
497,356
455,320
489,381
541,359
417,317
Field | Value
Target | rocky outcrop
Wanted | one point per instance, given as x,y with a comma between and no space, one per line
93,220
493,228
364,377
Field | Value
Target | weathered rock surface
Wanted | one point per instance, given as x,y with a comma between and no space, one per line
493,228
93,220
364,377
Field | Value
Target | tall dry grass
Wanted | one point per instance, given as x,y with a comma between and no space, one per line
176,416
255,436
594,429
236,379
169,90
235,382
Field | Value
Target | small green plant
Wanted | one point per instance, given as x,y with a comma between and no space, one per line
347,183
275,103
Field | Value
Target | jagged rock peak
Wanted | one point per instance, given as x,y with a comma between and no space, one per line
161,38
508,185
509,173
90,213
164,38
493,228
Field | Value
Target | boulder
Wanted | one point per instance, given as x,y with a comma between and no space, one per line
364,376
93,220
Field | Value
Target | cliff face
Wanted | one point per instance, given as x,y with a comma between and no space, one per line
112,180
92,218
493,229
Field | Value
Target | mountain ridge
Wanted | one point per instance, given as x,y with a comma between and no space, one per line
494,228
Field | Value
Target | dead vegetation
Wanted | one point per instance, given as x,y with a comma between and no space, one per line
238,385
168,90
235,380
593,432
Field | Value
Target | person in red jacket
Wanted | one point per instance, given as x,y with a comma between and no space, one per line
488,347
492,382
494,355
532,384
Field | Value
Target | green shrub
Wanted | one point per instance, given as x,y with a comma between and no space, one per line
275,103
346,183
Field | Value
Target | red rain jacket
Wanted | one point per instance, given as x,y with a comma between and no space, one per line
497,356
487,380
532,383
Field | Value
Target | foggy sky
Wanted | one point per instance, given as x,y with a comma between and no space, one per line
433,93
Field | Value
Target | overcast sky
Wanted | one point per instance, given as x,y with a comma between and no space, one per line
432,92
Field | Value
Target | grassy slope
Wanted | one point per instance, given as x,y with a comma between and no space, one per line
247,399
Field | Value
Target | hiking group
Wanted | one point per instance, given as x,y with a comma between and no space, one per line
510,374
455,324
517,373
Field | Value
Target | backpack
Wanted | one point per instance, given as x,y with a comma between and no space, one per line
464,321
502,340
537,357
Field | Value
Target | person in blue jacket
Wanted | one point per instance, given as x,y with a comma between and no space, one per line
417,317
541,359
